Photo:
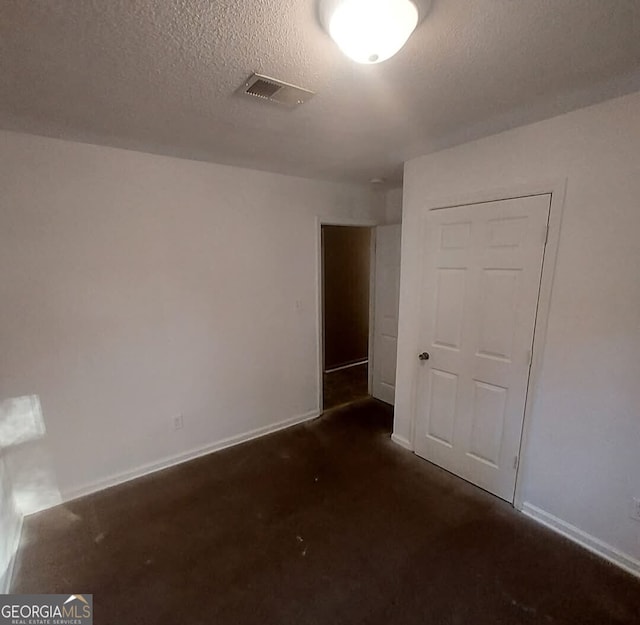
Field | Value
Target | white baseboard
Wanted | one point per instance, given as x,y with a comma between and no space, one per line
357,363
402,441
165,463
593,544
7,578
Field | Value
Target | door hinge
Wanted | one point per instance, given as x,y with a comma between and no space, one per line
515,462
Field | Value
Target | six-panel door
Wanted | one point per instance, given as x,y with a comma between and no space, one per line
482,268
387,295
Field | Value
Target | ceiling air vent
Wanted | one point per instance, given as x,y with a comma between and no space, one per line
277,91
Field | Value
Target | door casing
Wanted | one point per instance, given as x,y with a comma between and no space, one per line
557,189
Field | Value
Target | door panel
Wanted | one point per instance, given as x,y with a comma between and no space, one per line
482,268
449,307
489,404
442,408
498,300
387,293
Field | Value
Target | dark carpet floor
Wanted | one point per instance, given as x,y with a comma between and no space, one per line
345,386
325,523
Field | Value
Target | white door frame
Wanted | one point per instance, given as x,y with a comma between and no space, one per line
557,189
340,221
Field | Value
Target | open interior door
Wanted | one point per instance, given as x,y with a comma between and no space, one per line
385,329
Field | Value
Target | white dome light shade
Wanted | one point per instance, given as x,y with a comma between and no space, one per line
371,31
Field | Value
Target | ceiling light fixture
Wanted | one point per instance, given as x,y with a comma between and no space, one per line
369,31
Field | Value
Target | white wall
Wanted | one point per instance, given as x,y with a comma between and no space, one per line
9,527
582,458
393,206
137,287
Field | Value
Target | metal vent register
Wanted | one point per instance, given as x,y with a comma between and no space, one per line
276,91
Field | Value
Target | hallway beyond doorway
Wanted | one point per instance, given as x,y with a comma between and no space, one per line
345,385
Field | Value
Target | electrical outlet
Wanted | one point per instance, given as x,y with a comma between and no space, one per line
178,423
635,508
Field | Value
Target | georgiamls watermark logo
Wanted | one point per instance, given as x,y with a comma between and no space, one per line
46,609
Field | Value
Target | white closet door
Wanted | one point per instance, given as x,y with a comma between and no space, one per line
482,269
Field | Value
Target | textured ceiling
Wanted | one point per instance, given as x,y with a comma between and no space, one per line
161,75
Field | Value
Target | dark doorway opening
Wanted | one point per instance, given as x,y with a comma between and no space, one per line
346,276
